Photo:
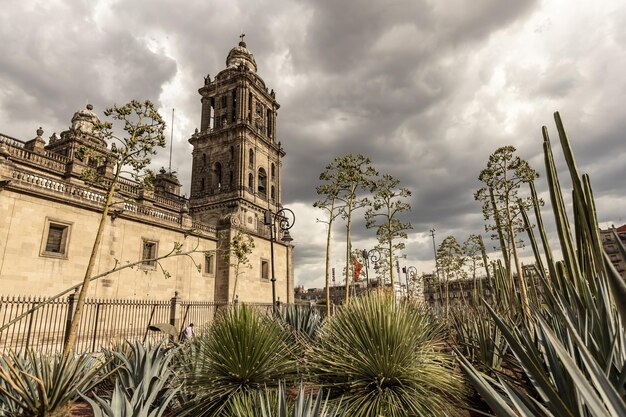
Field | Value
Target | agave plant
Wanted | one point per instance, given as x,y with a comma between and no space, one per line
387,359
305,405
35,384
572,348
142,378
479,338
303,321
243,354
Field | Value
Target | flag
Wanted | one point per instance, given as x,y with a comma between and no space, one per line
357,268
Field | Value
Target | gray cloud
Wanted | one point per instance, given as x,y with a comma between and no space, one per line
427,90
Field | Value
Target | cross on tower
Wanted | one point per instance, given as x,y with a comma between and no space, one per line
241,36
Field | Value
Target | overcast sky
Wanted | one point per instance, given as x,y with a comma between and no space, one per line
426,89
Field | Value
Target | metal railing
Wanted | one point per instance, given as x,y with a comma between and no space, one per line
104,322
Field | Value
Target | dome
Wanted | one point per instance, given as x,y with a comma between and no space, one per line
241,55
85,119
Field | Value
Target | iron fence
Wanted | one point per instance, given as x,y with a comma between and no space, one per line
104,322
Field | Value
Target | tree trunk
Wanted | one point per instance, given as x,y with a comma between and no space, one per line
328,235
496,217
348,253
78,312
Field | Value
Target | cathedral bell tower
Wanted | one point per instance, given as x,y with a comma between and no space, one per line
236,158
236,167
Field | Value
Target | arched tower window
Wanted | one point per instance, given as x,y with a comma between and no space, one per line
273,171
251,158
231,179
232,153
203,159
217,172
202,184
262,181
273,193
251,182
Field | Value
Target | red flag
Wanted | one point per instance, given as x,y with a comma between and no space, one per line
357,268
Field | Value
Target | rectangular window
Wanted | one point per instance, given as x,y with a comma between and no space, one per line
208,264
148,253
55,239
265,269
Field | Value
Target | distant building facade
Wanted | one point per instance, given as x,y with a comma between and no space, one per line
611,239
50,214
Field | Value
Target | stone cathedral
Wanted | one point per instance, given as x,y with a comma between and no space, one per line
50,215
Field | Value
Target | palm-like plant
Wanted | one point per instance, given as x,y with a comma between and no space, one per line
387,359
35,384
243,353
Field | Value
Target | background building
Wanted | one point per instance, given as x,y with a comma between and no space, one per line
611,239
50,215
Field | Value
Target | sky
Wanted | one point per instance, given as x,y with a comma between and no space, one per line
426,89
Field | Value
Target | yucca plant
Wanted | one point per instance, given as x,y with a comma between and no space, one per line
243,353
36,384
142,377
572,348
387,359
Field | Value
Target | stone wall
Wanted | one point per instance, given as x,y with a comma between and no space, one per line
24,270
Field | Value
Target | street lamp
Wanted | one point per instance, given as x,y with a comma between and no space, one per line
374,255
408,271
285,220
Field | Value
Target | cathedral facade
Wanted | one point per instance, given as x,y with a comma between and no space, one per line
50,214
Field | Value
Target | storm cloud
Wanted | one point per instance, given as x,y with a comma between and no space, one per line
427,90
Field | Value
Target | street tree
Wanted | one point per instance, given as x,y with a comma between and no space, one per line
388,204
475,257
503,177
130,153
450,262
329,190
350,174
238,256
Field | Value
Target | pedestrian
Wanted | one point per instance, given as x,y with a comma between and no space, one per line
189,333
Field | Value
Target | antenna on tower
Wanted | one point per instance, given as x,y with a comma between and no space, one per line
171,142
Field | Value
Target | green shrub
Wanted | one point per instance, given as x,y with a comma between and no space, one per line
243,353
387,359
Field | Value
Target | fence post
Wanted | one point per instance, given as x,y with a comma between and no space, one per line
30,324
71,305
174,319
95,328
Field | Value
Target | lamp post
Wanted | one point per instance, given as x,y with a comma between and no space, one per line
408,271
285,219
374,255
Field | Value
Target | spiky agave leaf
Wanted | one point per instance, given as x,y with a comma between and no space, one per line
39,384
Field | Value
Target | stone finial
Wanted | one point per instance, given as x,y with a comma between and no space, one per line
37,144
